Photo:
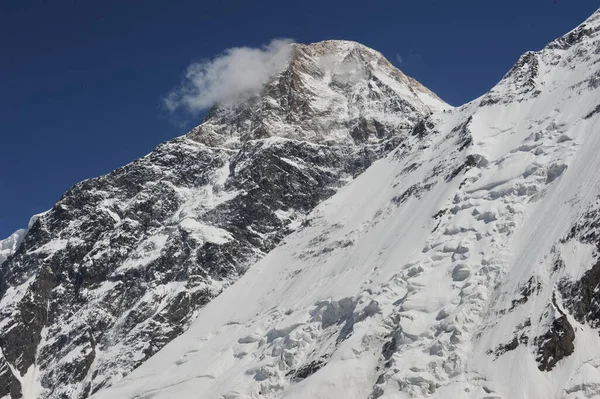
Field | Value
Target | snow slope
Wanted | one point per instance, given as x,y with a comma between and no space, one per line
464,264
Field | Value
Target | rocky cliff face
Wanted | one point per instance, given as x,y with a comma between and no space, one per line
122,263
464,264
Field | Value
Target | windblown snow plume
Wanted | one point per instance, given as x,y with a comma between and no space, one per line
235,75
346,71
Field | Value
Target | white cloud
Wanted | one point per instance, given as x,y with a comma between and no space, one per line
399,59
236,74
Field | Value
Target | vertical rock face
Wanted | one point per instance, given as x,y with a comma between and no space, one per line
122,263
465,264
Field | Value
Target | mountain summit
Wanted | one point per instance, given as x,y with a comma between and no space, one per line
331,92
464,264
121,265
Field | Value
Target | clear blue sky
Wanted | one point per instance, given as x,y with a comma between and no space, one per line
81,82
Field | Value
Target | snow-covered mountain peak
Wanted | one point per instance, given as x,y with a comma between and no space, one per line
121,263
573,54
588,28
465,264
331,92
347,62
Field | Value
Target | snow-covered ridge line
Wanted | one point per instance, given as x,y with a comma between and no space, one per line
465,264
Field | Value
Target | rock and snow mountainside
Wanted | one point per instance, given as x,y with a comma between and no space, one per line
9,245
465,264
333,92
122,263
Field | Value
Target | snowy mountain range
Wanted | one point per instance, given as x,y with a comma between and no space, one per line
343,234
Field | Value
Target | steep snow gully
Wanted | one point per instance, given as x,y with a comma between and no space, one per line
462,263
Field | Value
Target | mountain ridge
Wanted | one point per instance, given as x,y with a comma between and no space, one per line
463,264
121,264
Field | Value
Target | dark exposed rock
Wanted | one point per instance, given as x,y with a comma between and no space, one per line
526,70
422,128
473,160
529,288
519,84
306,371
582,297
366,128
413,191
503,348
389,348
9,384
520,337
465,138
572,38
489,99
463,128
592,112
555,344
